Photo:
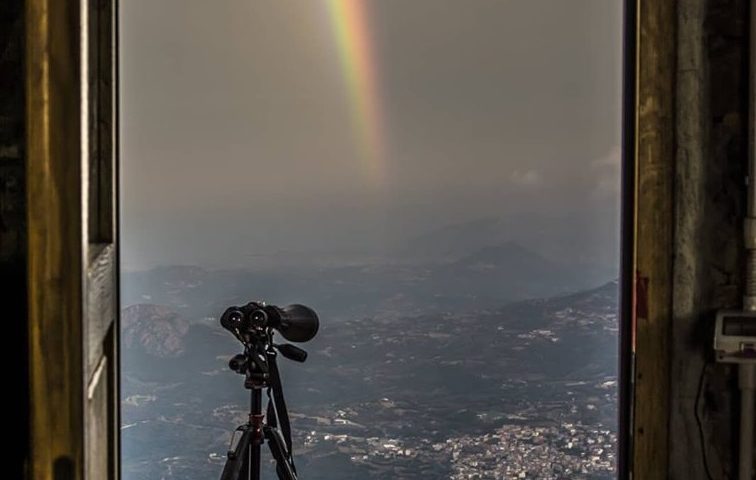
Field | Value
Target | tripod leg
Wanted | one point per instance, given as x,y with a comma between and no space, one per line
277,446
237,464
254,462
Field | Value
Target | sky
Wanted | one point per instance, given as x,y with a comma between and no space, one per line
260,128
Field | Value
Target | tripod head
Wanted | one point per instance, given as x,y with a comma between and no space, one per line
254,324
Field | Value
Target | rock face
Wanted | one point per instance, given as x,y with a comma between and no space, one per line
154,330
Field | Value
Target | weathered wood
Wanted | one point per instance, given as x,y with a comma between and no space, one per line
655,130
73,259
102,120
100,304
55,238
101,419
97,400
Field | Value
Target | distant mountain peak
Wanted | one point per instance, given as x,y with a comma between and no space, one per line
509,246
451,241
509,253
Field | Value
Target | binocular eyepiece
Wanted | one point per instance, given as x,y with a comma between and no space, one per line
296,323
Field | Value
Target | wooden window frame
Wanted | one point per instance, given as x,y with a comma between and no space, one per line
72,219
63,268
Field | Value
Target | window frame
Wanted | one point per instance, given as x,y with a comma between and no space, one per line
52,140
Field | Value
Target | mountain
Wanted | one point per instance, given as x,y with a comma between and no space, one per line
590,245
509,255
503,273
154,330
485,277
453,241
433,385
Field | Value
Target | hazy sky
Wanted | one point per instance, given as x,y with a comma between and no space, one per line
238,138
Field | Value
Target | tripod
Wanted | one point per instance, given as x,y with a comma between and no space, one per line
258,364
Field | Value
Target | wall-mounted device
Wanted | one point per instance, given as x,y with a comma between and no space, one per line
735,342
735,337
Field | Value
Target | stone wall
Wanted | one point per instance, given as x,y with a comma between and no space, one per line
711,165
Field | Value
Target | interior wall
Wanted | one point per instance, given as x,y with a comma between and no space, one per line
711,164
13,225
12,221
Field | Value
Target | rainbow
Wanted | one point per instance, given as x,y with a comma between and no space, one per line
349,21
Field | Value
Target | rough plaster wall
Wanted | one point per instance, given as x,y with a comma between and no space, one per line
709,207
13,224
11,131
